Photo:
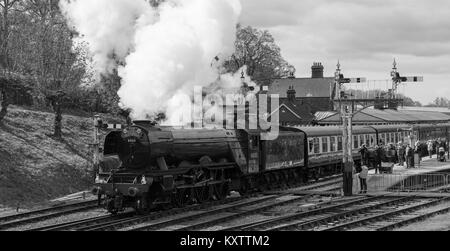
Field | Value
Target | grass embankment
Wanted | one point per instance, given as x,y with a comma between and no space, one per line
35,167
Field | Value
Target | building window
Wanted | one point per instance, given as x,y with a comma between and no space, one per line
355,142
368,140
340,146
325,145
316,146
333,144
361,140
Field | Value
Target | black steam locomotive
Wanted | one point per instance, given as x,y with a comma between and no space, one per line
146,166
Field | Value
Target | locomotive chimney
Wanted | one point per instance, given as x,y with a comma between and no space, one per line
317,70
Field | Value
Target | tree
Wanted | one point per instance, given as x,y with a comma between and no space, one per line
440,102
258,51
45,50
7,6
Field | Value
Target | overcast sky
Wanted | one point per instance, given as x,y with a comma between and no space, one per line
365,35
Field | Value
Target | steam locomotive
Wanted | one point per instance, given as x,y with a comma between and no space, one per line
146,166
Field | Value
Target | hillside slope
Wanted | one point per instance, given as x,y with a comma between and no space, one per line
34,166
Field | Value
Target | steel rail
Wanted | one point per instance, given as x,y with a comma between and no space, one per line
44,217
167,223
384,215
288,218
143,219
206,224
414,219
45,210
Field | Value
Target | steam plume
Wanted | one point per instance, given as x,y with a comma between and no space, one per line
164,52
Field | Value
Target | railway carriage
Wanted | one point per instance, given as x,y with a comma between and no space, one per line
325,148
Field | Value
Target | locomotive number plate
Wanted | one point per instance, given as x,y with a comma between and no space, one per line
131,140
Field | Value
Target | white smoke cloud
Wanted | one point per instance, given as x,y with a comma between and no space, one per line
166,51
108,26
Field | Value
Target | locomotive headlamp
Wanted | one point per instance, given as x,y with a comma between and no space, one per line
133,191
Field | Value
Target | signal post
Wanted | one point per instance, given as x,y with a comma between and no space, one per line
347,109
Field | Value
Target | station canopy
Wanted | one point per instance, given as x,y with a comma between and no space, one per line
374,116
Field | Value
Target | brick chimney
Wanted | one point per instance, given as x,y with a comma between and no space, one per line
317,70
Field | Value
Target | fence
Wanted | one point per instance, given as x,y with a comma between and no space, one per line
406,183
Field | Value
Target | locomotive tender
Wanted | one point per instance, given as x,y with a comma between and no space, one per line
146,166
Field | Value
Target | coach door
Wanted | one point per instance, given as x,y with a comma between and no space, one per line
253,153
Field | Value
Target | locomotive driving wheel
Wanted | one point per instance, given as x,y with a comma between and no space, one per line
221,191
181,197
201,194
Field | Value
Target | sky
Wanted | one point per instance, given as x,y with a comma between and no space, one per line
365,35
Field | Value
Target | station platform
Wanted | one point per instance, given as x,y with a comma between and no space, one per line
429,176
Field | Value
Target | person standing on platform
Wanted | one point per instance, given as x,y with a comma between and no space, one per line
378,158
364,155
401,151
430,148
409,156
363,175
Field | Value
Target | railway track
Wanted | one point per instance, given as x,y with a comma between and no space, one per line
290,222
388,218
215,217
105,223
45,214
195,214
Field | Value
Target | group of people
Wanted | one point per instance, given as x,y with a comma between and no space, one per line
437,146
405,154
401,154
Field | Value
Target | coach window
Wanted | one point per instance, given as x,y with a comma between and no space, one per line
311,146
340,146
324,145
333,144
355,142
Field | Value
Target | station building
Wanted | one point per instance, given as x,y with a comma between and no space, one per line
309,101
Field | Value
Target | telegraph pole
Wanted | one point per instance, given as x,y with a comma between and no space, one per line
347,109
